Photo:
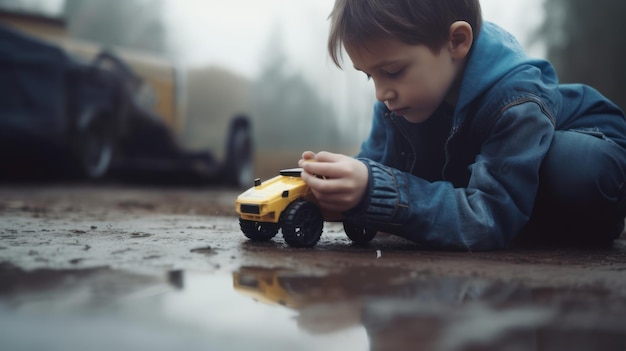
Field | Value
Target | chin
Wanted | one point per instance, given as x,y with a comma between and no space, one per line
415,119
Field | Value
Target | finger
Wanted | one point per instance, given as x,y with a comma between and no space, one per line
334,194
326,170
312,180
325,156
325,162
308,155
327,186
317,170
316,183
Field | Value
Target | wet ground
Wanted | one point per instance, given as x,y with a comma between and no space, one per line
114,267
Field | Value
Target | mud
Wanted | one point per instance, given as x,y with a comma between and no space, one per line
100,267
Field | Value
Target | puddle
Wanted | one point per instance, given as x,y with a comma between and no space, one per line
103,309
277,309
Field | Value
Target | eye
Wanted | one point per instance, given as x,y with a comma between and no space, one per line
395,74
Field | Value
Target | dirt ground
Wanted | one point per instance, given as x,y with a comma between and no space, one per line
96,267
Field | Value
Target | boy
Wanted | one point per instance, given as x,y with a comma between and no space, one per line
473,143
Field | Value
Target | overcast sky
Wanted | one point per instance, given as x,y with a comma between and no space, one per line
235,33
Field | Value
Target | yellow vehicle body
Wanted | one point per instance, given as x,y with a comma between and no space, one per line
157,129
263,286
163,89
266,201
287,204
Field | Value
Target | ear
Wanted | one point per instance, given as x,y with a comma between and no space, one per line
461,39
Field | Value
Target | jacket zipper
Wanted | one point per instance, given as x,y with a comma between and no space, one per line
406,137
453,132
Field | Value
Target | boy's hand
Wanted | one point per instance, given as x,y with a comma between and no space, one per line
337,181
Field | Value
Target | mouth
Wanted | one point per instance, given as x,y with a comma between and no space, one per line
400,111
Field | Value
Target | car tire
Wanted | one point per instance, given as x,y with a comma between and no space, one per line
239,164
358,234
302,223
258,231
94,145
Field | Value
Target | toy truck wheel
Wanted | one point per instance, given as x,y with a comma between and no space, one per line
258,231
302,223
357,234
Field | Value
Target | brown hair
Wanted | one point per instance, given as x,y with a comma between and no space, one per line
414,22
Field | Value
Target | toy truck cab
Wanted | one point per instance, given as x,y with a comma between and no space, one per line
286,203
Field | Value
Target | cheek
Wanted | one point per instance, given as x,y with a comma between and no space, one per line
428,86
438,80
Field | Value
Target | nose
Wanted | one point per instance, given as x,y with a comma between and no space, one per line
384,93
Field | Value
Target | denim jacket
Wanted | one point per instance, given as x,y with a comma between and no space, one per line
502,127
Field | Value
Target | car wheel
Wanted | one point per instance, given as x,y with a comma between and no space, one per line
302,223
95,144
258,231
358,235
240,160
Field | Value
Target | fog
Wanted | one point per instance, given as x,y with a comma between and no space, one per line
240,34
263,58
235,33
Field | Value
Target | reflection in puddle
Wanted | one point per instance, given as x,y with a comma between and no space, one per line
278,309
103,309
401,310
209,304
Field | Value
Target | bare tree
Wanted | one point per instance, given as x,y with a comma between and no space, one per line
585,42
291,112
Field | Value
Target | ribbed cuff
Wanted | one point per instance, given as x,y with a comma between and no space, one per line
380,203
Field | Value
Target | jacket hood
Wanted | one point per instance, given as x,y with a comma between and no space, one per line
495,54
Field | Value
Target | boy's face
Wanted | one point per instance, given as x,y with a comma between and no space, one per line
411,80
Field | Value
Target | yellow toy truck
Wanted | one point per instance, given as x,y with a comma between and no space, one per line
285,202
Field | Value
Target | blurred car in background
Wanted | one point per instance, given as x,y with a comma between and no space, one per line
71,107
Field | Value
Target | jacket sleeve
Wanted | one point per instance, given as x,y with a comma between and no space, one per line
484,215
